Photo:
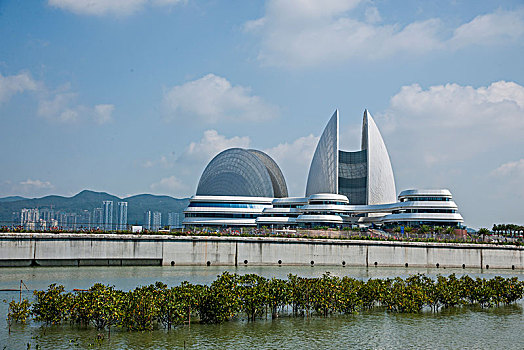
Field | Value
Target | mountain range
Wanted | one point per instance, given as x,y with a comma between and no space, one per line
89,200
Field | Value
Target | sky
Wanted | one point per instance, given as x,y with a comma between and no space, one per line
137,96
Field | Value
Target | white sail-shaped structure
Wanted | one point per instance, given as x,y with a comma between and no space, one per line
365,176
380,179
323,172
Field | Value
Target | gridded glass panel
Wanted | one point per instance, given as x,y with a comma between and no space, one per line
239,172
277,178
226,205
352,176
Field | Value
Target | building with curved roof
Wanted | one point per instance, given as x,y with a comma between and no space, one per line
245,188
365,176
414,208
242,172
323,172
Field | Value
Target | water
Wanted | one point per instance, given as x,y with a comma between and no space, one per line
449,329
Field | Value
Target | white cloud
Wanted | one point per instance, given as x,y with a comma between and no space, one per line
26,188
169,186
13,84
448,123
163,162
302,33
212,143
453,136
514,169
508,185
61,105
213,99
103,113
190,163
495,109
37,184
58,105
372,15
509,180
108,7
294,159
493,28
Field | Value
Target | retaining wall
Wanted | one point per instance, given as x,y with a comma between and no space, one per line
45,249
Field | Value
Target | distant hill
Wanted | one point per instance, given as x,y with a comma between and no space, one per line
11,199
88,200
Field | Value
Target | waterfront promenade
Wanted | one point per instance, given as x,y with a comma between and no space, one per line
79,249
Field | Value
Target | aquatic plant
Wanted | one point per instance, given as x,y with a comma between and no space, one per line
230,296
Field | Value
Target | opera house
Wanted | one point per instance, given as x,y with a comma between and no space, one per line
246,188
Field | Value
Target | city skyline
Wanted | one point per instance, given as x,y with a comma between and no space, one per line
103,218
163,87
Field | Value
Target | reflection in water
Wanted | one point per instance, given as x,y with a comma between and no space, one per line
455,328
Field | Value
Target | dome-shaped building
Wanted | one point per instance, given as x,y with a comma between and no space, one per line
242,172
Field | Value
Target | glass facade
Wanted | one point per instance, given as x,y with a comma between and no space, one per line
365,176
228,205
427,199
241,172
222,215
277,178
352,176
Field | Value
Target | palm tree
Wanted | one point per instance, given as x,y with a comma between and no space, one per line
424,229
483,231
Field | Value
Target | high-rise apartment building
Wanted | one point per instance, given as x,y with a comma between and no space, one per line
98,218
84,220
47,214
122,216
29,219
157,221
148,218
108,215
68,221
173,220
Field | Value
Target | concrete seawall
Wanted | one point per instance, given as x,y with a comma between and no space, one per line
45,249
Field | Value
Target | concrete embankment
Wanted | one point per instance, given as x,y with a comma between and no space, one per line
45,249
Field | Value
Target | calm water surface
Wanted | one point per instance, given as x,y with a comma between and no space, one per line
449,329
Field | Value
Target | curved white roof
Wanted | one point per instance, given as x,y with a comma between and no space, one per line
290,200
445,217
323,171
419,193
242,172
281,211
320,218
231,199
219,222
276,220
381,182
328,197
325,208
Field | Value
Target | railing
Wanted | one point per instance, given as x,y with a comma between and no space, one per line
458,236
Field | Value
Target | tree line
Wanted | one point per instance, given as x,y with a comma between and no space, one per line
510,230
231,296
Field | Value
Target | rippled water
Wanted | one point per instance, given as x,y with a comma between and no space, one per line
449,329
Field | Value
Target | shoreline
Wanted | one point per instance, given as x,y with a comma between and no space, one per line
81,249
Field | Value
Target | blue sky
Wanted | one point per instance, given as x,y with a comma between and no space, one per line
137,96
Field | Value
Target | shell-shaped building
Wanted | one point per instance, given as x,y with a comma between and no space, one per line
242,172
323,172
365,176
